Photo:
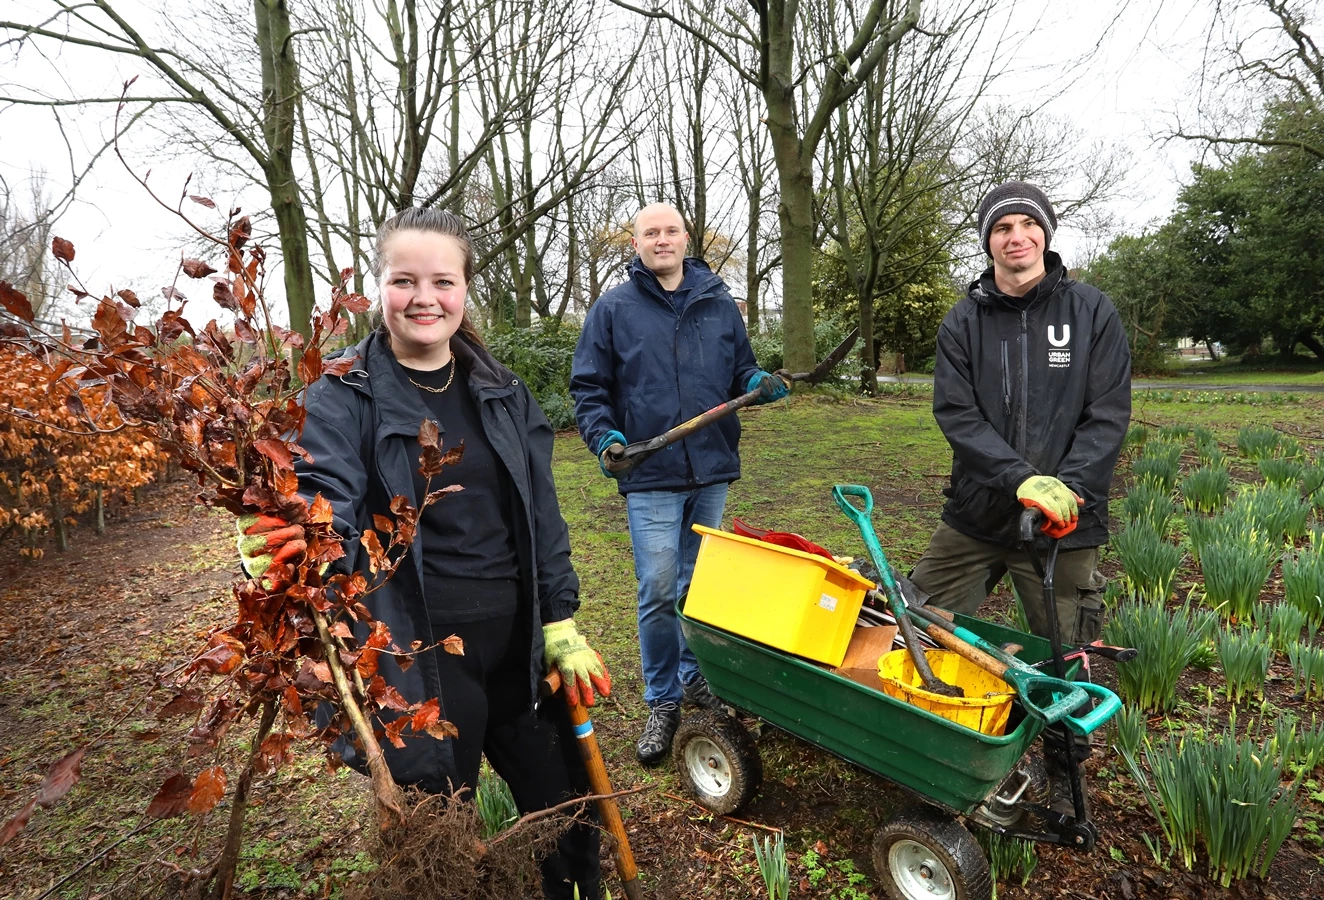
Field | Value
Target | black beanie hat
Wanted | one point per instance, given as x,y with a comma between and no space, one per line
1010,198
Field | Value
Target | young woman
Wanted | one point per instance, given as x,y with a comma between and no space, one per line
491,562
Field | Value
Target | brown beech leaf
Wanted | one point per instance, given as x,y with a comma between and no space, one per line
322,671
196,268
443,729
170,292
276,451
61,777
273,752
16,824
202,201
428,434
428,715
185,703
129,297
453,645
376,555
394,729
208,789
223,297
15,301
404,661
356,303
310,365
341,629
338,366
63,250
321,512
240,233
172,799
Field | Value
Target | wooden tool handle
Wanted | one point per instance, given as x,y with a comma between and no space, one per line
600,783
953,643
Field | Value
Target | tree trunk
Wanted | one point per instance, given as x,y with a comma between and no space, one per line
99,504
796,213
58,525
280,86
1311,343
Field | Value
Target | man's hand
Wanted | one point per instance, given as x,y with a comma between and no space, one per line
582,670
267,540
774,387
1059,504
611,437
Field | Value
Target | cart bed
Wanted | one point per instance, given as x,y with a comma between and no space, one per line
949,765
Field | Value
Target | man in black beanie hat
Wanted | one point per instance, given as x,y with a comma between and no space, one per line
1032,389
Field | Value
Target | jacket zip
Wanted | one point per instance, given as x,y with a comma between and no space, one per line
1006,382
1025,367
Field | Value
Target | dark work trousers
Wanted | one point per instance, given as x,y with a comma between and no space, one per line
959,572
487,699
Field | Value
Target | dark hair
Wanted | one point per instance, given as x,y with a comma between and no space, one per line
435,221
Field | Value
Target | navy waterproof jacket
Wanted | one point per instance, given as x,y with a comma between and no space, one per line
1033,385
359,432
641,368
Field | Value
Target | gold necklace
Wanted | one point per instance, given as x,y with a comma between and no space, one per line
440,390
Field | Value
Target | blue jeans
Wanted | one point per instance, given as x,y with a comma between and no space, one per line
664,552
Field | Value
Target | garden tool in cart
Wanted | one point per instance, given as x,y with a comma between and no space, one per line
600,784
863,520
618,459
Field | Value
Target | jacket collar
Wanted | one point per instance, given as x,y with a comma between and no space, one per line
698,278
985,289
376,365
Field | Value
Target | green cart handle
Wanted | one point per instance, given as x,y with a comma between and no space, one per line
1027,684
1106,705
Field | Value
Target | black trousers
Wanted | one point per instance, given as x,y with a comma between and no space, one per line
487,699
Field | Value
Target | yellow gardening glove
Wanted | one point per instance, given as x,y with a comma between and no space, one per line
1059,504
582,669
267,540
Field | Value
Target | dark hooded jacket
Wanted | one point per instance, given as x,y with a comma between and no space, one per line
642,368
1039,384
359,432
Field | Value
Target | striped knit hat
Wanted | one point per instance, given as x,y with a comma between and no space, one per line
1013,197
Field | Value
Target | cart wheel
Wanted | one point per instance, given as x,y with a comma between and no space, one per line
922,854
717,761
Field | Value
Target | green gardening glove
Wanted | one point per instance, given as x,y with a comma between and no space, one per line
267,540
1059,504
582,670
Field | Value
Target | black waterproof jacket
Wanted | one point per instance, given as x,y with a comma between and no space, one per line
1039,384
359,432
641,369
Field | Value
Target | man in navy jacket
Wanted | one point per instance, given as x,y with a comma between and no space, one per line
663,347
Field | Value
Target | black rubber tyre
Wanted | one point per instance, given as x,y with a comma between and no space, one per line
923,854
717,761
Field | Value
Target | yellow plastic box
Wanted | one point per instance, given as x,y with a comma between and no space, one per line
797,602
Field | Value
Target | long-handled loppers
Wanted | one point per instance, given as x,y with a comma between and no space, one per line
620,459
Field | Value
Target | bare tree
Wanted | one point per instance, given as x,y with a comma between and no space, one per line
765,50
1264,51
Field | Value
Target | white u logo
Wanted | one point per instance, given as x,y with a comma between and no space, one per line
1053,338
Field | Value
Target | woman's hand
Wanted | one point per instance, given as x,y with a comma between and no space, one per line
267,540
582,670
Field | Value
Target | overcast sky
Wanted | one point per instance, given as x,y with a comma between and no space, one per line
1143,69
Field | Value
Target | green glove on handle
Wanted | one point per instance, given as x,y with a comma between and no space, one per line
1059,504
609,439
267,540
582,669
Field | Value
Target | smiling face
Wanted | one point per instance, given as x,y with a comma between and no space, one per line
1016,244
660,240
423,290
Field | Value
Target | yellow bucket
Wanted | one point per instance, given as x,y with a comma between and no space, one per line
798,602
987,700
